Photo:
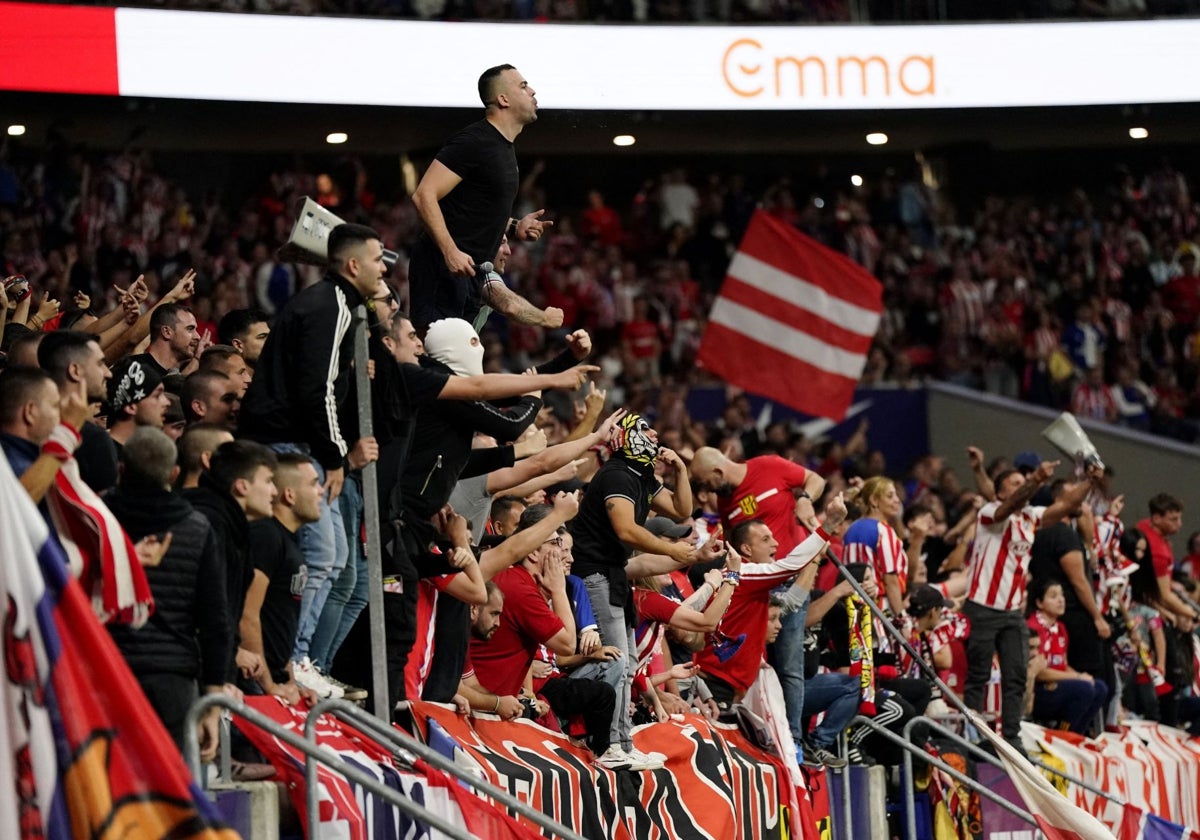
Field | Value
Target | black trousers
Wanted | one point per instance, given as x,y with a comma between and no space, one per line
1005,633
171,695
593,699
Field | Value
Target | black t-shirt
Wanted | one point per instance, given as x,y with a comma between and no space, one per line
1049,545
477,210
276,553
597,549
97,458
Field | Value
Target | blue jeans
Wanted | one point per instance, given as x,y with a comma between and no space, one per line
787,658
614,631
836,695
348,596
323,544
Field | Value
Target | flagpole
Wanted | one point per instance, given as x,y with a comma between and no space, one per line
379,675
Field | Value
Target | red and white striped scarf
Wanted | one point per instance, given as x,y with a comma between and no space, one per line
99,552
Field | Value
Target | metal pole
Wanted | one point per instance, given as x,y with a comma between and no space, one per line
379,674
947,693
945,768
313,753
389,734
847,807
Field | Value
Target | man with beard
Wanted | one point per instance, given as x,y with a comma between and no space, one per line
780,494
464,200
71,357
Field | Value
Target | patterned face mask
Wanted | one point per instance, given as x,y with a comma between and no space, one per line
632,441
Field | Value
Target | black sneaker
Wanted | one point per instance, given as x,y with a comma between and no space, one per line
822,756
855,755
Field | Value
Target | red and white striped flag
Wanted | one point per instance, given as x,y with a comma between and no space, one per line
794,320
1056,816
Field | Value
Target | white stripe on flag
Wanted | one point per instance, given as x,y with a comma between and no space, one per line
787,339
793,290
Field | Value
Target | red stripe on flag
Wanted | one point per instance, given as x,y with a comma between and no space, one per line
787,249
813,331
794,316
764,370
58,49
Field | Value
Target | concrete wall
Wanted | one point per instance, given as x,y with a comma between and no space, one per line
1144,464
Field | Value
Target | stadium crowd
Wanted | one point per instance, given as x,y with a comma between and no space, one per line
567,543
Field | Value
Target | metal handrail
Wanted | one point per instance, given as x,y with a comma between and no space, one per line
948,693
911,749
384,733
313,755
909,792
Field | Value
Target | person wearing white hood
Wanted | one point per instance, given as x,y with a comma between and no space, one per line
442,407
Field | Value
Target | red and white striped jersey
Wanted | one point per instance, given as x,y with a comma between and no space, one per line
876,543
1000,556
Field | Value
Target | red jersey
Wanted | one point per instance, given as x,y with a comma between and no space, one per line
1052,640
747,613
654,612
502,661
766,493
1160,550
416,669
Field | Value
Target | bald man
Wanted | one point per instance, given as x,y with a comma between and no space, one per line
780,494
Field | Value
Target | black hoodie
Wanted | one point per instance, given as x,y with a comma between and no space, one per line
231,538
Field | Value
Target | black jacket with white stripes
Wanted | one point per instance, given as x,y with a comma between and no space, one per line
303,374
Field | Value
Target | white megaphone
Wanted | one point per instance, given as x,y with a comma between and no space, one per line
309,240
1066,433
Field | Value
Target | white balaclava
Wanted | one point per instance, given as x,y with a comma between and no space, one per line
453,342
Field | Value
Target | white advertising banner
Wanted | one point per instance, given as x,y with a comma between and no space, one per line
354,61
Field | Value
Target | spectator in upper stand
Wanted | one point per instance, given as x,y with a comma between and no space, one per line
187,642
1133,399
211,397
1084,339
1181,295
600,222
70,358
136,398
1093,399
224,358
246,330
174,342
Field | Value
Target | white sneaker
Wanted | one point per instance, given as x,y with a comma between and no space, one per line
614,758
641,761
306,675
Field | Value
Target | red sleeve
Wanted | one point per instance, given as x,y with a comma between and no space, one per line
533,617
652,606
792,473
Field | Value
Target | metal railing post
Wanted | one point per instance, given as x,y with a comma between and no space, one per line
370,491
312,753
913,749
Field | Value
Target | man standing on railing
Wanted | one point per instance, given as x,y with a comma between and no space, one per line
465,200
999,571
